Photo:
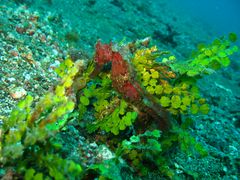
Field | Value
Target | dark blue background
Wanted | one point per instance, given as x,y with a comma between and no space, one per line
223,15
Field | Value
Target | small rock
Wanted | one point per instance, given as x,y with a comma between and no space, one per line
27,77
18,92
55,52
104,153
54,65
20,30
93,145
225,169
14,53
11,79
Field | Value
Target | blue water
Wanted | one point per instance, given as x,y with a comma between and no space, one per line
222,15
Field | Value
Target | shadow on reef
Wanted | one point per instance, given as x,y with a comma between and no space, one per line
29,2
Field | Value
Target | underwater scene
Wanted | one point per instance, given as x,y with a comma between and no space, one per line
119,89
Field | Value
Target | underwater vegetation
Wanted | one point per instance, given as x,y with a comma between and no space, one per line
132,98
